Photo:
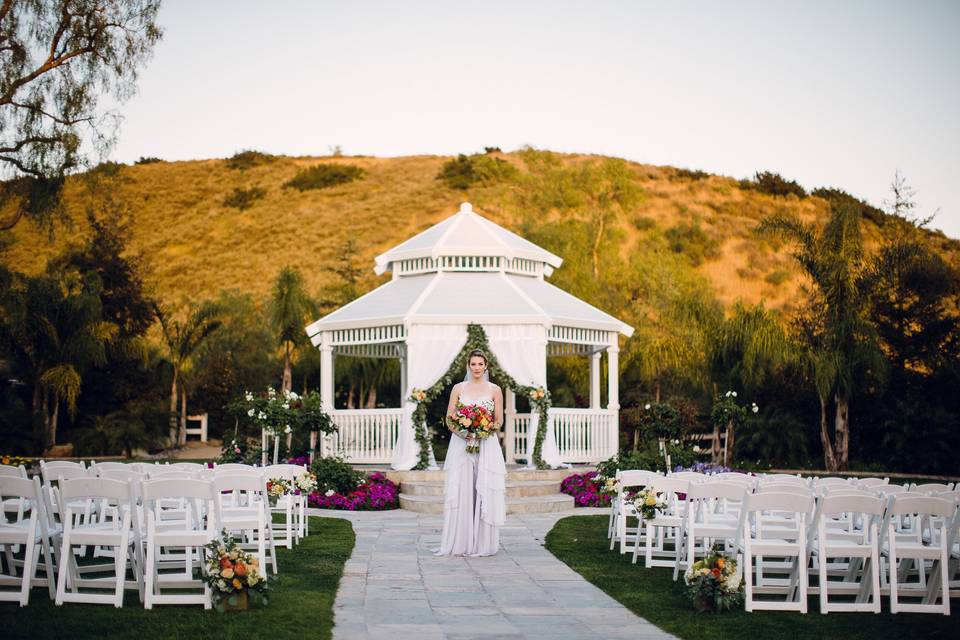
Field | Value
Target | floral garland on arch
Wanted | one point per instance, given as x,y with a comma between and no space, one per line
477,339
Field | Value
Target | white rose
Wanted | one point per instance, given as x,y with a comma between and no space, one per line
727,394
329,492
756,408
262,416
696,448
734,393
251,412
287,429
294,396
249,396
647,407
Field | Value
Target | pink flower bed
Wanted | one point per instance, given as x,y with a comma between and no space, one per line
373,494
585,490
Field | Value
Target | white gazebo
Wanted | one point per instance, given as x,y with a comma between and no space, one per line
467,269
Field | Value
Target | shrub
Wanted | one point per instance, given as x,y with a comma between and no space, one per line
642,223
465,171
778,277
585,490
323,176
247,159
376,493
839,197
773,184
688,174
492,150
243,198
336,474
693,242
147,160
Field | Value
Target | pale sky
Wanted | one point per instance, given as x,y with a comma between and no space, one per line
826,93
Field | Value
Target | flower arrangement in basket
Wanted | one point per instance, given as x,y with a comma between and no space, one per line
306,483
714,583
233,575
277,488
648,504
476,420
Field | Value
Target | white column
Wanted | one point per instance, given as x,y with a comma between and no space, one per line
509,426
326,379
403,380
613,375
595,379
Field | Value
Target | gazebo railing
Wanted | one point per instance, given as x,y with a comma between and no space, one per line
583,435
365,436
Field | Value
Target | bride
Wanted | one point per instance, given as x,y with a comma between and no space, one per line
473,492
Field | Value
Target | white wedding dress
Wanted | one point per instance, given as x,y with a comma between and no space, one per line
474,506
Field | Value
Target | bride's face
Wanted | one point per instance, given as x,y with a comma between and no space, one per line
477,366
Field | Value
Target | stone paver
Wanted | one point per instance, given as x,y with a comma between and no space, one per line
394,588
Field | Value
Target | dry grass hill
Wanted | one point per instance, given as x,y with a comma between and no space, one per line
195,244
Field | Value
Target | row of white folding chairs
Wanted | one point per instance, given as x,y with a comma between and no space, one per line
684,523
144,547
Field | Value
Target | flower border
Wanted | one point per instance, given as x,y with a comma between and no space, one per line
477,339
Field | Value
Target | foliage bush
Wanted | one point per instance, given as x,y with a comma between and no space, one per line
693,242
147,160
465,171
777,277
247,159
585,489
324,176
839,197
243,199
688,174
773,184
334,473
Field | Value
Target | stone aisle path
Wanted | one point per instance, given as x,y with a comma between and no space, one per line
394,588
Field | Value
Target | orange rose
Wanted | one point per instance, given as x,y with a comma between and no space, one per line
240,569
720,563
237,584
224,562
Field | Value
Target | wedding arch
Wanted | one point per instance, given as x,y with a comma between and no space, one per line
468,281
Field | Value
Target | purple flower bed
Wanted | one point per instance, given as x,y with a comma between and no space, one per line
374,494
300,461
704,467
585,490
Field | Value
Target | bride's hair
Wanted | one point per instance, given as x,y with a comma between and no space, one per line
477,353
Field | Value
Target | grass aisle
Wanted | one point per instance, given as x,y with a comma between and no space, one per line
581,542
301,603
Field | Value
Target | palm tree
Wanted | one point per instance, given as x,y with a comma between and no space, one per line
290,310
840,346
181,341
54,328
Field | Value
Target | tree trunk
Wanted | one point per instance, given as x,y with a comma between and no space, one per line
39,414
372,398
172,427
841,428
601,223
656,391
728,446
350,397
829,459
716,453
182,433
50,417
287,384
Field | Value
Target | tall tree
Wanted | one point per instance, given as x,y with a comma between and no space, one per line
181,340
291,309
58,60
839,343
54,328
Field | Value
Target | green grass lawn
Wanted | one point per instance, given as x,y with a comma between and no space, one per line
581,542
301,603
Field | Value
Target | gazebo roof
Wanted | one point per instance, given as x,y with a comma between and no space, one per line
467,269
466,233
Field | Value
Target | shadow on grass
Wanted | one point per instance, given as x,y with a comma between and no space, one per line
581,543
301,603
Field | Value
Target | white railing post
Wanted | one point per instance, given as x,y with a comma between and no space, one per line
595,380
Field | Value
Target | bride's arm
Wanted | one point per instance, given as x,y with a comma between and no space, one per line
498,407
452,408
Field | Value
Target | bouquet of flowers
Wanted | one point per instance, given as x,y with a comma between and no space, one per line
714,583
276,488
476,420
233,574
306,482
647,504
608,486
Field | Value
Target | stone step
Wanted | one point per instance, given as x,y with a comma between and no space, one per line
515,488
515,505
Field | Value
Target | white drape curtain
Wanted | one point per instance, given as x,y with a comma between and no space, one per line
430,350
522,352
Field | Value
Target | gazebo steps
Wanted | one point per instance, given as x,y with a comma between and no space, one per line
516,473
515,505
515,488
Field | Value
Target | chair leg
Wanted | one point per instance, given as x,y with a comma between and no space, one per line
894,578
747,581
31,553
65,558
48,567
148,577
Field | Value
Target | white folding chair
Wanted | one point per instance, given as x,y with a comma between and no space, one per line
712,514
119,534
247,513
756,540
931,546
97,468
870,483
856,546
236,467
631,481
664,527
191,529
931,488
291,507
29,532
14,505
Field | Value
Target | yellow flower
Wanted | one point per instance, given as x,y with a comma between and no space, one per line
650,501
237,584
